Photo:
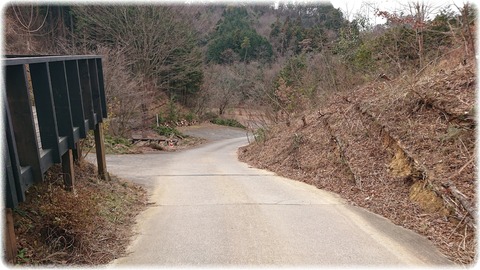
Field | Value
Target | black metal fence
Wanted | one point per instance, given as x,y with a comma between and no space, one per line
50,102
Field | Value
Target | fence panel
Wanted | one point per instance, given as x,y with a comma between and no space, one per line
60,98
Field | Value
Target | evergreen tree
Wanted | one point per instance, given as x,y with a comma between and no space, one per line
235,39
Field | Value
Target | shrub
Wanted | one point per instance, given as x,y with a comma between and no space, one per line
209,116
190,117
227,122
260,135
117,145
168,131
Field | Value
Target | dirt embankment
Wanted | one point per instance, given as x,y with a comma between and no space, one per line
90,226
403,149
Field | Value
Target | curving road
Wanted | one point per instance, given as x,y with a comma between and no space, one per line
212,210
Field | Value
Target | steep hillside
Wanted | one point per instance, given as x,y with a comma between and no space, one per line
402,148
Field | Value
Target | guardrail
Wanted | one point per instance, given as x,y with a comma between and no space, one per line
50,102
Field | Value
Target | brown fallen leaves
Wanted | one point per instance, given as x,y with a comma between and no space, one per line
90,226
390,147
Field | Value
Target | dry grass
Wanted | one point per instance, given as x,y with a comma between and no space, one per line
90,226
392,147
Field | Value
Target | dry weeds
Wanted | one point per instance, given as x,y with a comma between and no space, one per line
90,226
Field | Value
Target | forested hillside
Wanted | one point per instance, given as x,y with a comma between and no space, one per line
168,53
183,61
382,114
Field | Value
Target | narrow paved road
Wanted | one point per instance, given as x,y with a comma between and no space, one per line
212,210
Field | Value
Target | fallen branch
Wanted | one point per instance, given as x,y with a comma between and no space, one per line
450,187
421,170
343,157
304,121
461,169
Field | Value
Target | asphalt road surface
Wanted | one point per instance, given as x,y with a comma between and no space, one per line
212,210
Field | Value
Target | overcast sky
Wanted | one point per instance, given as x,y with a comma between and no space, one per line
350,7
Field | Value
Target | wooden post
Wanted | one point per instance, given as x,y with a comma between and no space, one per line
100,149
10,240
68,172
77,152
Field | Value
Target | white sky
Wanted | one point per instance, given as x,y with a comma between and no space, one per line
350,7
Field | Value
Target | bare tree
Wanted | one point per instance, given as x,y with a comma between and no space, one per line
124,91
28,21
465,22
417,17
224,86
160,43
419,11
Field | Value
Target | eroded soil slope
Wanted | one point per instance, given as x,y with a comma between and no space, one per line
403,149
